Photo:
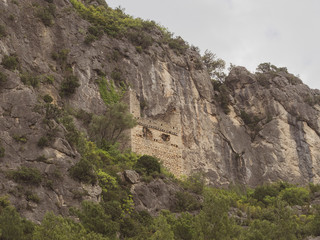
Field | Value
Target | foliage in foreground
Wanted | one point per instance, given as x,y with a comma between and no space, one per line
273,211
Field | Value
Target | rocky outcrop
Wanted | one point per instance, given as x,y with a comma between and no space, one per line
155,196
271,132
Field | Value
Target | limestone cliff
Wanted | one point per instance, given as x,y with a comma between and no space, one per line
271,132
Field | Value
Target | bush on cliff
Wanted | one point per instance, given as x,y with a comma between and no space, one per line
83,171
148,164
69,85
26,175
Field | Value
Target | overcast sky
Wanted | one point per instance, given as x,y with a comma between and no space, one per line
243,32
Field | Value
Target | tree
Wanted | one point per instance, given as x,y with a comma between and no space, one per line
268,67
214,65
213,221
163,229
12,226
148,164
59,228
94,218
108,129
264,67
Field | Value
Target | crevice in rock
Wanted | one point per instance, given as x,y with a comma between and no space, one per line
303,151
237,164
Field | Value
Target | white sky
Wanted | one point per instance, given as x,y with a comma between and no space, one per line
243,32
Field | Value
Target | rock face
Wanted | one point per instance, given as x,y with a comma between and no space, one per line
155,196
271,132
132,176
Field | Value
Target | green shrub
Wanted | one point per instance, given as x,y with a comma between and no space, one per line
93,218
94,32
79,194
2,151
293,80
12,226
46,14
109,92
186,202
69,85
30,79
43,142
89,39
49,79
3,78
178,45
41,158
3,31
215,66
26,175
129,228
194,183
139,38
84,116
83,171
21,138
52,111
139,49
10,62
116,55
148,164
60,228
61,56
223,98
73,135
295,196
198,65
31,196
261,192
250,120
314,187
47,98
116,75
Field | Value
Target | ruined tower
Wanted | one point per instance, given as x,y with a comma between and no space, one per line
156,137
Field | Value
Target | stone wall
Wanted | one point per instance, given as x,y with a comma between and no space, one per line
156,137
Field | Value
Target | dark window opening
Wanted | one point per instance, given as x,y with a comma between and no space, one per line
165,137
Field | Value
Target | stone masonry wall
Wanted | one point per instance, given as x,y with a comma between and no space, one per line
157,138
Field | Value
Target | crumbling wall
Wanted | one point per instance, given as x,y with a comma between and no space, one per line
156,137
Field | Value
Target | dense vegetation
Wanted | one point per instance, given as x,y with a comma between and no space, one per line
115,23
275,211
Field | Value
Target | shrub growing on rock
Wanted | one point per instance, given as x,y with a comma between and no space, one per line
47,98
26,175
3,78
148,164
10,62
2,151
69,85
46,14
83,171
178,45
29,79
295,195
43,142
3,32
186,202
106,130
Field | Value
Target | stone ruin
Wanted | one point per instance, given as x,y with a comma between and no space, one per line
156,137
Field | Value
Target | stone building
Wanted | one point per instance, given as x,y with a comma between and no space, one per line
156,137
